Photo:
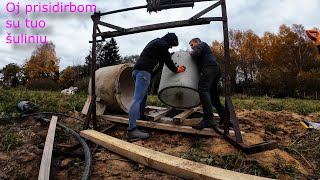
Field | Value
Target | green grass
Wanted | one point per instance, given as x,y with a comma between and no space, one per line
11,141
54,101
50,101
235,162
300,106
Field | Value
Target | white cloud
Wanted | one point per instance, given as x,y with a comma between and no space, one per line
72,32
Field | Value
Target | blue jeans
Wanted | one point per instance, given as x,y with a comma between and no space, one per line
142,81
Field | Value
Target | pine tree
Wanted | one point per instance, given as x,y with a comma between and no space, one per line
107,54
111,54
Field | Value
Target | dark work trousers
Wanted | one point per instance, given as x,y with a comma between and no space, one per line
208,91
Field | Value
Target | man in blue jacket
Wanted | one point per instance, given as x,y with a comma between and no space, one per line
151,60
210,74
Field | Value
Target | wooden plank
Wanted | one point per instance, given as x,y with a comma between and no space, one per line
156,108
186,122
86,106
47,152
156,125
170,164
182,116
165,125
154,116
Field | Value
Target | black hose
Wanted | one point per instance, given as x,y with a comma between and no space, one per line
59,114
86,149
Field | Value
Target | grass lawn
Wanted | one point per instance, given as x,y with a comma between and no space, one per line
54,101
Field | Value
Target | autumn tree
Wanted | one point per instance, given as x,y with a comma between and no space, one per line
218,50
281,64
287,57
67,77
245,47
43,63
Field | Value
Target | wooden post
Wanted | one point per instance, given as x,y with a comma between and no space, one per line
44,172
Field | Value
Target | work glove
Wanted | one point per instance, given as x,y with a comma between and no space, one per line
181,69
311,36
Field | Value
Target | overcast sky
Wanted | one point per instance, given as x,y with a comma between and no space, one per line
71,32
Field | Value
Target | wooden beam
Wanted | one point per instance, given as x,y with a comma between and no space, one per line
156,125
165,124
153,27
182,116
163,162
154,116
47,152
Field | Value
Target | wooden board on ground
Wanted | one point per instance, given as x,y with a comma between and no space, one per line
186,122
86,106
162,126
155,108
163,162
155,115
47,152
182,116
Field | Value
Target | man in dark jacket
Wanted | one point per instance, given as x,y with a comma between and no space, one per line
151,60
210,74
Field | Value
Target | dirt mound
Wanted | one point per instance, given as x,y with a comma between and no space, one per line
27,137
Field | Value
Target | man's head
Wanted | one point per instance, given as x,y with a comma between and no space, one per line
194,42
171,39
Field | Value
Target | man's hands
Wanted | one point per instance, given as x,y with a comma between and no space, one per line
181,69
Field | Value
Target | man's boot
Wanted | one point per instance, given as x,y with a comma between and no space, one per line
135,135
207,122
143,118
222,122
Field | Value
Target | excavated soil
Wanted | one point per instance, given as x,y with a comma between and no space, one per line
288,161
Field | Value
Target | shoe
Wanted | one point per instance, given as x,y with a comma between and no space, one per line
206,123
221,123
143,118
135,135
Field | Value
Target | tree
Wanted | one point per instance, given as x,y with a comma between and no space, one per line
10,70
218,50
130,59
111,54
245,46
67,77
281,64
43,63
11,74
107,54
